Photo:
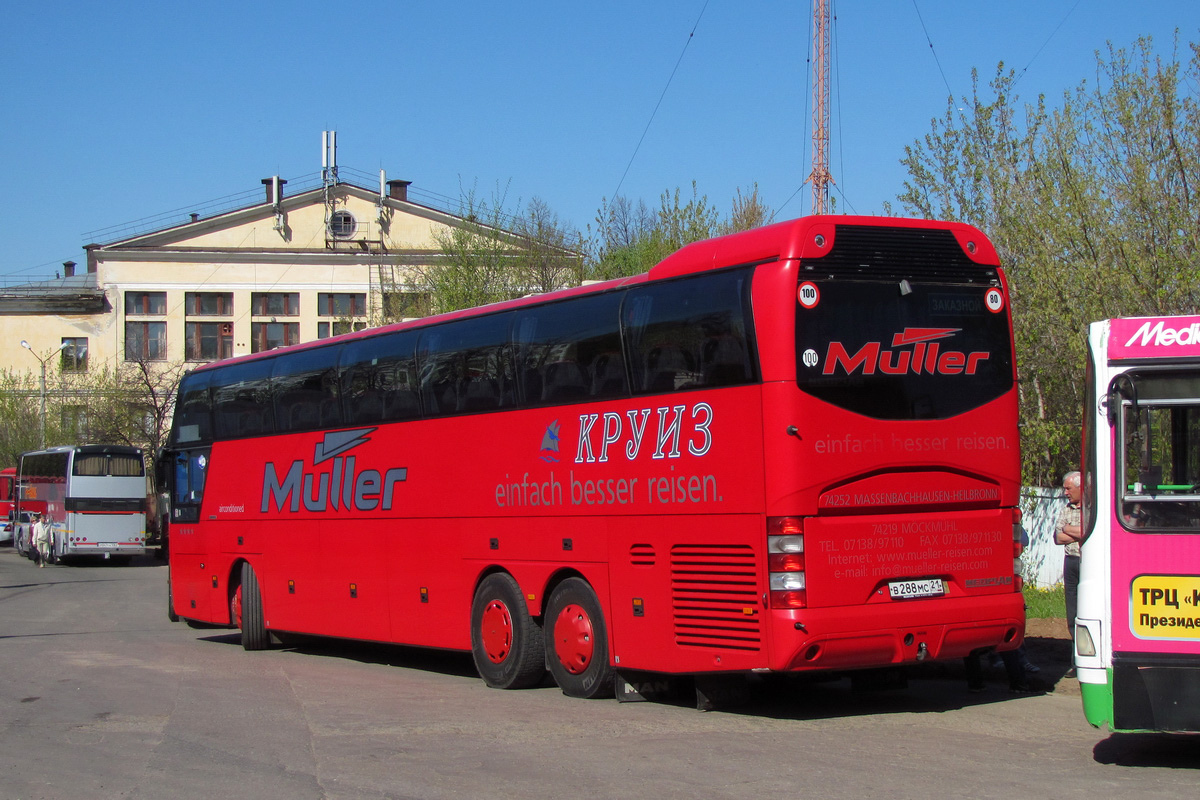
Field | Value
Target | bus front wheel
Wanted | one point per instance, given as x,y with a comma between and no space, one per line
506,641
171,615
578,654
247,611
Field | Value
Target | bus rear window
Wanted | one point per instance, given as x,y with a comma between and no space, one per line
902,349
109,465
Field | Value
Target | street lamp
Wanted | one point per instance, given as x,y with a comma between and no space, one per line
42,361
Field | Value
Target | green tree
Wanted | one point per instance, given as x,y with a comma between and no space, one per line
1091,206
493,254
629,239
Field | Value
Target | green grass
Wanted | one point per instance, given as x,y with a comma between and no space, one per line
1045,602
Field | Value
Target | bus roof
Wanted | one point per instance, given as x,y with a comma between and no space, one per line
805,237
1153,338
88,449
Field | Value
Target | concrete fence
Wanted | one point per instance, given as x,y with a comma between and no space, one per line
1043,559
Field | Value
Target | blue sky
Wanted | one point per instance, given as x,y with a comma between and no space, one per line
118,111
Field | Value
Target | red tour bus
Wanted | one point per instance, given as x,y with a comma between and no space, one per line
8,478
789,449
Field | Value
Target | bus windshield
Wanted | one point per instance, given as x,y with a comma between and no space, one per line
1160,469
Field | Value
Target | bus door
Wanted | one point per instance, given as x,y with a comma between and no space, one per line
1156,549
191,572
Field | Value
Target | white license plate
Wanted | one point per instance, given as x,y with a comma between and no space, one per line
902,590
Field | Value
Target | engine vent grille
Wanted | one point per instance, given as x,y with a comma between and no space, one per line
642,555
714,596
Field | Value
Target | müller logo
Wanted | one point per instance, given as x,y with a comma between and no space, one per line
926,355
338,486
1157,334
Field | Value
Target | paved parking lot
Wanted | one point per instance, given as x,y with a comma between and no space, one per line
103,697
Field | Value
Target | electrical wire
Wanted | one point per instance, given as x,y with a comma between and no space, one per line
660,99
936,60
1021,74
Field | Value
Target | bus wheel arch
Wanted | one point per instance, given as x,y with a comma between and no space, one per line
506,641
577,646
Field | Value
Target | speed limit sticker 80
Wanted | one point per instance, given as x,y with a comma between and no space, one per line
808,294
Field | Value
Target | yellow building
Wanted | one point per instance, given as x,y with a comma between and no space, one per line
289,267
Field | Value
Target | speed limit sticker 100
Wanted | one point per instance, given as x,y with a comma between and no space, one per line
808,294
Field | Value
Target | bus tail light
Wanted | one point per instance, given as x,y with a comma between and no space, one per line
785,562
1084,644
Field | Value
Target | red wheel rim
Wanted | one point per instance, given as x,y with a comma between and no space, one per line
496,631
573,643
237,607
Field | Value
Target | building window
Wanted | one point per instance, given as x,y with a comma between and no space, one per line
74,421
145,341
275,304
74,354
146,303
209,341
405,305
269,335
342,224
341,305
209,304
327,329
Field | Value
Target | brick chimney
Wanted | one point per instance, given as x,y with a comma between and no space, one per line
398,190
270,184
68,269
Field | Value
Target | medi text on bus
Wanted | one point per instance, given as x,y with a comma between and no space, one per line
1137,634
790,449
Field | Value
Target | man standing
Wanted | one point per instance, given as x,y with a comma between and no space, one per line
41,539
1069,533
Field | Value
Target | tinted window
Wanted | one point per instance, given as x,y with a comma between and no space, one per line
690,334
242,400
305,385
466,366
193,410
901,350
571,351
45,465
379,379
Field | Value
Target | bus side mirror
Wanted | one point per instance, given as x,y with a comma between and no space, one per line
1121,388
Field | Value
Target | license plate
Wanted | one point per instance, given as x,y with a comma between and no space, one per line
903,590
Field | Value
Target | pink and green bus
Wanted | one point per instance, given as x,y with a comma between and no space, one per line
1137,631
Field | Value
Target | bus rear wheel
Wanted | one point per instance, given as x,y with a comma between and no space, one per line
578,653
247,611
506,641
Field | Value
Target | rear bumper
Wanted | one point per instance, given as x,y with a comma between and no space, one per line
896,633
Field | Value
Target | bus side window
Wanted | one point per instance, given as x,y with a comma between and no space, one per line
242,405
466,366
193,415
378,379
306,390
690,333
571,350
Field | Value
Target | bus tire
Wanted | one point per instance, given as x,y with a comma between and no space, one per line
506,641
247,611
171,615
578,651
